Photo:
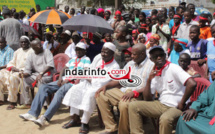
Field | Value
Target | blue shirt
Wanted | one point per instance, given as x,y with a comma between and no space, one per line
6,55
171,23
199,50
211,57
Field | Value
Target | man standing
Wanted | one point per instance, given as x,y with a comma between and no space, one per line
141,66
39,69
11,29
50,43
174,86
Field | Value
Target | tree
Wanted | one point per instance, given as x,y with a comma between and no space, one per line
213,1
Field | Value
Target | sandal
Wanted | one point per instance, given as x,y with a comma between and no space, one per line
11,106
84,129
71,123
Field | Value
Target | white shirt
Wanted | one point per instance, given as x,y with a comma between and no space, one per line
142,71
70,50
170,85
184,30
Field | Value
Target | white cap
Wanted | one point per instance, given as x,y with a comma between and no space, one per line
81,45
110,46
68,32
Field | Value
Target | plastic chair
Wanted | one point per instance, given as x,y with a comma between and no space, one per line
200,69
202,84
59,61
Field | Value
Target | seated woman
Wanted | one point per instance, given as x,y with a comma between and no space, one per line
180,46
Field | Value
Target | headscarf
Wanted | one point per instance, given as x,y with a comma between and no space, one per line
174,56
116,13
100,10
142,35
155,36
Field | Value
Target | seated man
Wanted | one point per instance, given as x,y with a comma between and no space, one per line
184,62
60,87
6,53
50,43
11,79
39,69
70,50
141,66
82,95
197,119
174,86
64,42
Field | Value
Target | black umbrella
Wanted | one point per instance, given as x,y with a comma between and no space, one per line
27,28
88,23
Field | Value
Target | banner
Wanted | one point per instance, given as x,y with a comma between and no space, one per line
25,5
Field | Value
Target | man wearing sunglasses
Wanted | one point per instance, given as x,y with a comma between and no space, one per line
175,87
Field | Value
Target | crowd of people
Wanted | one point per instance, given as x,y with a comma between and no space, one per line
158,48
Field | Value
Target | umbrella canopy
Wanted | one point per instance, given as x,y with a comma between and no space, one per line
28,28
50,17
88,23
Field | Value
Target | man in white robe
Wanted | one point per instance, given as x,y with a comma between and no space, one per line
81,96
9,78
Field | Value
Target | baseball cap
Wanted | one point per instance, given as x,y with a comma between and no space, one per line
81,45
156,48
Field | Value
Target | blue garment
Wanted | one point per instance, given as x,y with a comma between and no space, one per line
6,55
205,106
93,50
42,94
211,58
171,23
174,56
50,88
199,50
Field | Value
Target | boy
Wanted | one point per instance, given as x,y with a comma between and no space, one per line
162,30
205,31
197,46
183,31
184,62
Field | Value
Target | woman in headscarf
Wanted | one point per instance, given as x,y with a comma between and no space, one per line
142,38
153,41
180,46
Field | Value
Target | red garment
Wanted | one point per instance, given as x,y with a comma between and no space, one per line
103,63
160,71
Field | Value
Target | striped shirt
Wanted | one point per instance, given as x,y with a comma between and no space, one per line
6,55
143,70
84,63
